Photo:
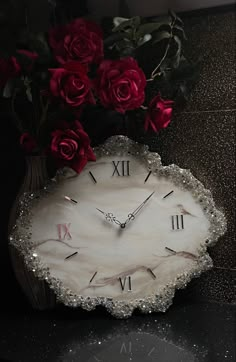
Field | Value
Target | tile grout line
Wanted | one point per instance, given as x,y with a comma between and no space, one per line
223,268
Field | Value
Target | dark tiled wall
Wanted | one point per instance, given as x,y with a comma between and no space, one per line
202,138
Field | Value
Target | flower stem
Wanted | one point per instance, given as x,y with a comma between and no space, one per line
153,75
16,118
154,72
44,112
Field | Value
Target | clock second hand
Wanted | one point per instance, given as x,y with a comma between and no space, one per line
110,217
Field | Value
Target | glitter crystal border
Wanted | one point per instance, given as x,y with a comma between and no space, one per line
20,237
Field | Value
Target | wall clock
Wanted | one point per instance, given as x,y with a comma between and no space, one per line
123,234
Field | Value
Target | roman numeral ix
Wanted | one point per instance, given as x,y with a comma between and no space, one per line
63,231
121,168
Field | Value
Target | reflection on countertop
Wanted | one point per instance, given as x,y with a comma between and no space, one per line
187,332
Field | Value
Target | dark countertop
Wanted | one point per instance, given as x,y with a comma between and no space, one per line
203,332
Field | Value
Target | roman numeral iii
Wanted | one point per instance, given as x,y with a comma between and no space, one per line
121,168
177,222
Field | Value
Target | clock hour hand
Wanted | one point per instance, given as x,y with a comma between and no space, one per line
132,215
109,217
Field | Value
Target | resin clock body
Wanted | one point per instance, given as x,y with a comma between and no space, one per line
124,233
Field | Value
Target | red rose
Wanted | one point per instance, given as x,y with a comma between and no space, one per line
27,142
70,146
120,84
71,84
32,56
80,40
159,114
9,68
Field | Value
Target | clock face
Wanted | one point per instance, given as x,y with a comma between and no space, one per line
124,233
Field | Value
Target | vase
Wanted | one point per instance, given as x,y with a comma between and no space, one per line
38,293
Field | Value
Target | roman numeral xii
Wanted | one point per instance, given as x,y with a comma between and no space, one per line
121,168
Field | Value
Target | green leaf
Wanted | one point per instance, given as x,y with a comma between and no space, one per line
161,36
178,52
175,17
117,37
29,94
128,51
180,30
183,89
39,44
136,21
8,89
149,28
178,42
124,44
27,83
132,23
117,20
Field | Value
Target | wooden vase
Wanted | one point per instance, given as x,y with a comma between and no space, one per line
38,293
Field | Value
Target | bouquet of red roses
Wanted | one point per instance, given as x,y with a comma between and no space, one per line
72,83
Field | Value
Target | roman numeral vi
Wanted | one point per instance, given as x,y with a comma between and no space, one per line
123,283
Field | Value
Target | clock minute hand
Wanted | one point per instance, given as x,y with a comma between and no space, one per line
109,217
143,203
132,215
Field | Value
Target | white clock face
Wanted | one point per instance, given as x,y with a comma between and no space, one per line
120,231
